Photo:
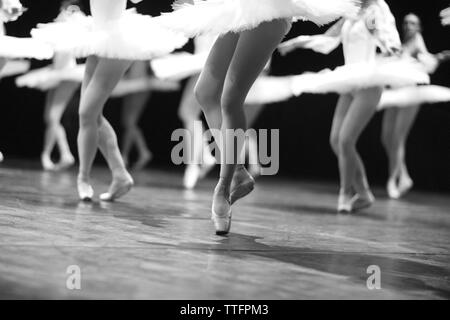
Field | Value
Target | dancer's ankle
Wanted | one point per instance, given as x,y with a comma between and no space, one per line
83,178
222,188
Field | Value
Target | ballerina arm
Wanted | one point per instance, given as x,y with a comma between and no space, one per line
324,44
429,60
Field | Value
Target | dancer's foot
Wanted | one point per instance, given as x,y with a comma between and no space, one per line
119,187
392,188
47,163
345,202
242,184
191,176
85,191
1,157
143,160
221,211
405,184
66,162
363,200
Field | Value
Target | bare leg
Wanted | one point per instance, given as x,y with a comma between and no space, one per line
50,136
396,127
2,64
360,182
252,112
199,154
121,179
252,51
102,75
132,109
387,133
358,116
59,100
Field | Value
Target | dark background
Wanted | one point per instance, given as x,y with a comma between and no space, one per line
304,122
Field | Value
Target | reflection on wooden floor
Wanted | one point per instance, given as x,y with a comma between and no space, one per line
158,243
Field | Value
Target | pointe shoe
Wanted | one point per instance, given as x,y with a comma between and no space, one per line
392,189
345,203
66,162
85,191
47,163
118,188
221,215
1,157
405,185
143,161
242,184
363,200
191,176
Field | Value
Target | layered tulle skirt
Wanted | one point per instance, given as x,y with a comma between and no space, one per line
384,72
178,66
15,67
413,96
223,16
20,48
49,77
130,37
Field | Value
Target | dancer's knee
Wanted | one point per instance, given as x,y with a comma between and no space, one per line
207,97
334,142
89,117
346,143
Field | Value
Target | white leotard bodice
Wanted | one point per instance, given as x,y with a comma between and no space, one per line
374,27
359,44
105,11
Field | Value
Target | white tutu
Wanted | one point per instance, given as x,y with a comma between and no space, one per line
18,48
13,68
413,96
178,66
132,36
222,16
132,86
445,16
383,72
267,89
49,77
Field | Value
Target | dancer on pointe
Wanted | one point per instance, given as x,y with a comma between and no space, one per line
111,39
17,48
360,83
250,31
201,160
397,122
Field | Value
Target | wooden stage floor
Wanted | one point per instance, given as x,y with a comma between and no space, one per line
287,242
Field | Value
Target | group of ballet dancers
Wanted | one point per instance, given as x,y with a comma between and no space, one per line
235,40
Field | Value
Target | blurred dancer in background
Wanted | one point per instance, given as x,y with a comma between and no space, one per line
360,83
17,48
61,81
135,99
397,122
111,39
